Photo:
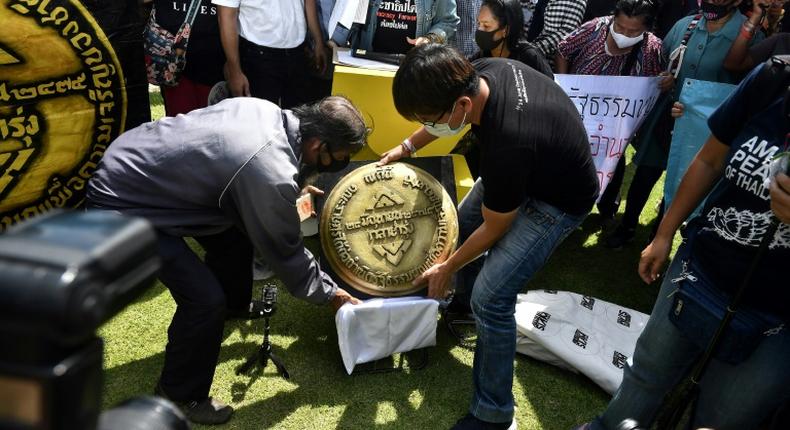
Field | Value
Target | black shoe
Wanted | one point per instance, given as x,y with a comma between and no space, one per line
208,411
608,223
471,422
620,237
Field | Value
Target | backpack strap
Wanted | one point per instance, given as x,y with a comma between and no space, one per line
182,36
676,57
692,25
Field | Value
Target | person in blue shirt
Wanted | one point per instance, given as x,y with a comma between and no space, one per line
709,41
748,376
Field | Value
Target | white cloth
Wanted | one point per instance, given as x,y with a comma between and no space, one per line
378,328
271,23
579,333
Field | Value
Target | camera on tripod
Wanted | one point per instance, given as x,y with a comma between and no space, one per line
266,306
62,275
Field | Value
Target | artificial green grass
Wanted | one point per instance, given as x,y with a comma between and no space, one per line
320,395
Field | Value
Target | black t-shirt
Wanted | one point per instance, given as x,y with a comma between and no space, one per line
395,21
527,54
205,57
532,142
737,213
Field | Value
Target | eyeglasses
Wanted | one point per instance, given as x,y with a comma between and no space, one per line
434,122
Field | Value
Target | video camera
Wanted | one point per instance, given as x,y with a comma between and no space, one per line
62,275
267,304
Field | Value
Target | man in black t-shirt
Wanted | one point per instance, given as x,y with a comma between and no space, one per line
537,183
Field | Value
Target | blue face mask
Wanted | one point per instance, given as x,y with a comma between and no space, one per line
444,129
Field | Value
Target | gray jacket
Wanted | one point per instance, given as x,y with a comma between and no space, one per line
234,163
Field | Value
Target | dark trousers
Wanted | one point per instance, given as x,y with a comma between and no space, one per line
278,75
609,202
642,184
203,291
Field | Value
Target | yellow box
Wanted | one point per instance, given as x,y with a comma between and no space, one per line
371,92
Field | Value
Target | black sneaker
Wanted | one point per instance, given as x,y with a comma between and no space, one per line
208,411
471,422
620,237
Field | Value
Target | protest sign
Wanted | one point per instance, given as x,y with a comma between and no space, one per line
612,109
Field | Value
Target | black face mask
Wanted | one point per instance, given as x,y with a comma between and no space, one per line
715,12
334,165
485,40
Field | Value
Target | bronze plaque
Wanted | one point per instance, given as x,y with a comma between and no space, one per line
382,226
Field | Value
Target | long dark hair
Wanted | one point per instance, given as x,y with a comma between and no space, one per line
508,13
644,9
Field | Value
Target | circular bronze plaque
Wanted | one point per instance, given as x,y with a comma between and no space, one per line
383,226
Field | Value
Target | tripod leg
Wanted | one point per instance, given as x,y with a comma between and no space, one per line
247,365
280,366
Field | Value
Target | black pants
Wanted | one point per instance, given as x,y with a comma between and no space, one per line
278,75
203,291
609,202
642,184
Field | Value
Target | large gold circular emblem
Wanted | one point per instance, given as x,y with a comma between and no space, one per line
62,101
382,226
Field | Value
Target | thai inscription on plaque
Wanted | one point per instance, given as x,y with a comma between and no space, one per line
382,226
62,101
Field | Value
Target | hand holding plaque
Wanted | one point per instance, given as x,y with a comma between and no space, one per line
341,298
438,280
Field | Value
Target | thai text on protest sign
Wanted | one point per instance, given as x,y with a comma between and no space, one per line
612,109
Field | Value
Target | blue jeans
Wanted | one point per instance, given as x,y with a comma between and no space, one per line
731,396
498,278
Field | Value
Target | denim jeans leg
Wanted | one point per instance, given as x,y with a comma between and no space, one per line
510,264
741,396
662,356
470,216
731,396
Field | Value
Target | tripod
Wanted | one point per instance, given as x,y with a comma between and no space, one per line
266,308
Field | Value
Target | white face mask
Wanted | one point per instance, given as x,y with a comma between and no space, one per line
444,129
623,41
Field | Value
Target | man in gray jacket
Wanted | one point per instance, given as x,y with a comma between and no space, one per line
227,175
